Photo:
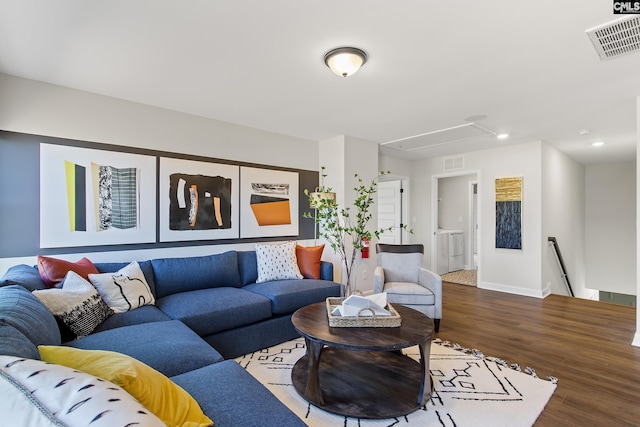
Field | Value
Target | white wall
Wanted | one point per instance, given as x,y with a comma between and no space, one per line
515,271
636,338
563,217
610,227
343,157
39,108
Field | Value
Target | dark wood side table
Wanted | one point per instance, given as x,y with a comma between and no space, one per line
360,372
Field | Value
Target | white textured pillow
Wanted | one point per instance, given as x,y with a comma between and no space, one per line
39,393
77,304
277,262
124,290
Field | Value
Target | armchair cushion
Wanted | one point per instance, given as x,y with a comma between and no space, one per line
400,267
408,293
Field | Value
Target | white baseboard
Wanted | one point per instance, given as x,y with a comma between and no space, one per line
542,293
636,339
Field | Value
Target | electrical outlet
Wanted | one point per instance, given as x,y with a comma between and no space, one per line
365,275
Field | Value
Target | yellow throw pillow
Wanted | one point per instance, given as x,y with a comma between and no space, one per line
168,401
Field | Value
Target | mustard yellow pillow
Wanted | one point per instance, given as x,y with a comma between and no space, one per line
168,401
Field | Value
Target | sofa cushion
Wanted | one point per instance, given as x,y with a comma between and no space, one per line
62,396
125,289
168,347
15,343
232,397
145,314
207,311
54,270
289,295
173,275
277,262
326,270
248,265
76,303
20,309
145,266
156,392
309,260
23,275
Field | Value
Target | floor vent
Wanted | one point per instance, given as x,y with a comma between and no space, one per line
451,163
616,38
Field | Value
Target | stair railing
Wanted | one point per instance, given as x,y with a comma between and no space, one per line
563,269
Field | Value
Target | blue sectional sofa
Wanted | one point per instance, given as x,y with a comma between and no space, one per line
208,310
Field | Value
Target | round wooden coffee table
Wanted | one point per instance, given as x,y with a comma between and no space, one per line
360,372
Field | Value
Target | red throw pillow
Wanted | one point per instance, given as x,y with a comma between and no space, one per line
53,270
309,260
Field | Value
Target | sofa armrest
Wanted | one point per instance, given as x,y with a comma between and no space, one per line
378,280
326,270
433,282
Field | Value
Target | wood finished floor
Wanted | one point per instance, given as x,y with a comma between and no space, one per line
585,344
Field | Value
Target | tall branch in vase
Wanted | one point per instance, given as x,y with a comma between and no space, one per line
339,226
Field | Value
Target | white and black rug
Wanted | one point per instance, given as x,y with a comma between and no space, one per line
470,389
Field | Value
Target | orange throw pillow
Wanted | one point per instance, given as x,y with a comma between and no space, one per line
309,260
53,270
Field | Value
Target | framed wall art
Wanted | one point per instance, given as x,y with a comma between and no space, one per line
269,202
91,197
509,213
198,200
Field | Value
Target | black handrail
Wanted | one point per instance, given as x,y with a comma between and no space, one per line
565,276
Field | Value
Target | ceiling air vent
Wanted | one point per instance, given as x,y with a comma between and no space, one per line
451,163
616,38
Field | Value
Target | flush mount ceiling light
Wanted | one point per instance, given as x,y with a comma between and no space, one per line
598,143
502,136
345,61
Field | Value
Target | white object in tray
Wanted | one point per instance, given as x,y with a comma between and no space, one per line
353,306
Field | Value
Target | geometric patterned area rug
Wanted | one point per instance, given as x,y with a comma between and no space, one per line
470,389
462,277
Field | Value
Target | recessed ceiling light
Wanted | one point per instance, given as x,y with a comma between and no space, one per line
502,136
598,144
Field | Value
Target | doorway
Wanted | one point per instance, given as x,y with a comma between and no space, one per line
455,221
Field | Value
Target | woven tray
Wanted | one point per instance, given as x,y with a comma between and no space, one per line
374,321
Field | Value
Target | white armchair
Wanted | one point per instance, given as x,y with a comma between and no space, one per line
400,275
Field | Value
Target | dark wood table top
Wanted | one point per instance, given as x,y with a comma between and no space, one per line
312,322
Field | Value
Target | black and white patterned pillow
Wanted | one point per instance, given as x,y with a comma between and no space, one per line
124,290
77,304
44,394
277,262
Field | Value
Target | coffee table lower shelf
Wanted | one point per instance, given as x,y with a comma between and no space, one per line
363,384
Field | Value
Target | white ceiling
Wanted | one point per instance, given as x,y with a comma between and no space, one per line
527,66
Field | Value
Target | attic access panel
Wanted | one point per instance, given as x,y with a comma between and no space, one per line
440,137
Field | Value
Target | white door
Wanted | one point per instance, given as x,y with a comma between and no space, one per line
389,211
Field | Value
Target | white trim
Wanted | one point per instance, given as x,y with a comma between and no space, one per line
636,340
514,290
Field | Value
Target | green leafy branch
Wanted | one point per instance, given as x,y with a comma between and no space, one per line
340,225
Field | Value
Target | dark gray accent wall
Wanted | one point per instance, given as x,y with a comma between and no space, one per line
20,197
